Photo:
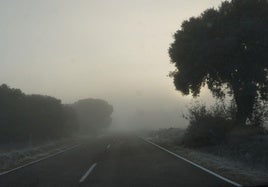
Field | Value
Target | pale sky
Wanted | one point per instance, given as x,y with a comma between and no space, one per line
115,50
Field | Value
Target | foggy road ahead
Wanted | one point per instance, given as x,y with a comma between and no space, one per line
112,161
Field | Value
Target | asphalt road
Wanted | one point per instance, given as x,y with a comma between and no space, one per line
113,161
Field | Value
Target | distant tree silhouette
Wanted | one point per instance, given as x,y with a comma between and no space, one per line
70,120
93,114
225,47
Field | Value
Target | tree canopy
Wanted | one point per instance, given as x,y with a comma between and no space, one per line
33,117
225,47
93,114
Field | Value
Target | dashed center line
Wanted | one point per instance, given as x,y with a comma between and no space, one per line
108,146
88,172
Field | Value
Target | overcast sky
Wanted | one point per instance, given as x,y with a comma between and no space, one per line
116,50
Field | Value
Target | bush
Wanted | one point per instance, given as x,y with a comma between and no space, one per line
259,115
207,126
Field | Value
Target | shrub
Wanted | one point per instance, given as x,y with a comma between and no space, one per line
208,126
259,115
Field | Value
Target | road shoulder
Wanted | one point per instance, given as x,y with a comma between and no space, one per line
233,170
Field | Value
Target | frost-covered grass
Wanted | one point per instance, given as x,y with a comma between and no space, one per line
10,158
242,158
233,169
167,136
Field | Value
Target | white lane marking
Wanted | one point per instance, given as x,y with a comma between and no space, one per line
108,146
39,160
87,173
200,167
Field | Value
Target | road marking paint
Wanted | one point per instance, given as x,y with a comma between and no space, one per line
190,162
87,173
39,160
108,146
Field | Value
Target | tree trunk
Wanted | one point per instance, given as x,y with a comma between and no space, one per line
245,103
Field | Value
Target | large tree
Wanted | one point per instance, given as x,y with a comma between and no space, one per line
93,114
225,47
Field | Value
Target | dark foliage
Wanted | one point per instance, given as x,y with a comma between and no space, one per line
33,117
207,126
93,114
214,125
225,47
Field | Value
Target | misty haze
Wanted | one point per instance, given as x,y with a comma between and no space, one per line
134,93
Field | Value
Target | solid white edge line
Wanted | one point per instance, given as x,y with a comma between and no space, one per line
190,162
39,160
87,173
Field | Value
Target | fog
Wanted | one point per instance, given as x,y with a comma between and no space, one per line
113,50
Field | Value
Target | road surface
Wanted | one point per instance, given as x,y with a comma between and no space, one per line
113,161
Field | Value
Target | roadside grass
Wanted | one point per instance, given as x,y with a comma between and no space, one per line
242,158
16,157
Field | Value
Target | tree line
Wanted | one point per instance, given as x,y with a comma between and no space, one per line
36,117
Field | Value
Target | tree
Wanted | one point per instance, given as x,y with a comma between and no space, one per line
93,114
225,47
36,117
